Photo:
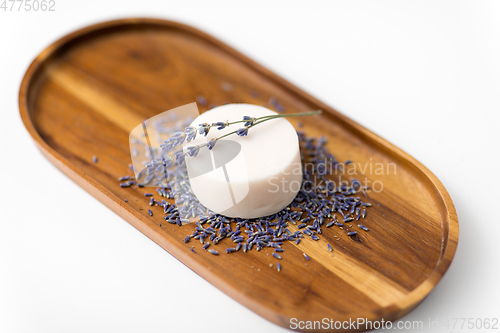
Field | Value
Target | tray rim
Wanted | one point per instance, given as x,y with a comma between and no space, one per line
449,222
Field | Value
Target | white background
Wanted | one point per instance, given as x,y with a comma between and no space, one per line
424,75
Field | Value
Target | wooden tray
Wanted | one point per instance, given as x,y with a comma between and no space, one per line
83,95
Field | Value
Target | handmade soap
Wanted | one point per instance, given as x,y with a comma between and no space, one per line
245,176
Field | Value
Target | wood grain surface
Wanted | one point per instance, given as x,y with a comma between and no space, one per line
84,94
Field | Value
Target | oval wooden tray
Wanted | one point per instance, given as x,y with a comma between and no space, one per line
83,95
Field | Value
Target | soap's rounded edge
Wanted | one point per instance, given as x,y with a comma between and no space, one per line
254,211
253,216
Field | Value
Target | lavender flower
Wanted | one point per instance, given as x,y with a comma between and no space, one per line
167,145
204,128
193,151
190,133
242,131
175,139
150,166
249,121
178,138
179,157
211,144
220,125
167,161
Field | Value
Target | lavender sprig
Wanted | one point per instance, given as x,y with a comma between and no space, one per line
178,138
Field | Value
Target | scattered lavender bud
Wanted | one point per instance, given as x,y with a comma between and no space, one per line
201,100
226,86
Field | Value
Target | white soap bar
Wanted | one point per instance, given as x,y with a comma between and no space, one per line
245,176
